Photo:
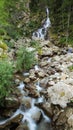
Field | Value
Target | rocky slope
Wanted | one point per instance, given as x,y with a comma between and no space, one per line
51,79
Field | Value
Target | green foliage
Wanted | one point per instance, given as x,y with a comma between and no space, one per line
37,46
3,50
6,76
62,41
70,68
11,14
25,59
9,44
3,19
3,45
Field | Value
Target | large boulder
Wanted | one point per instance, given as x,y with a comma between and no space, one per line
60,94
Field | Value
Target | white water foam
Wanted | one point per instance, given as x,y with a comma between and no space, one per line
28,114
38,86
41,32
25,74
40,99
20,87
47,119
36,67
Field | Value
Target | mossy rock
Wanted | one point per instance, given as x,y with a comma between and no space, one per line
3,56
3,45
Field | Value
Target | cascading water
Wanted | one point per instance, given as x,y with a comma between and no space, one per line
42,32
28,113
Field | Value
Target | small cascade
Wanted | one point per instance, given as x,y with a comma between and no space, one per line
20,87
38,86
29,113
42,32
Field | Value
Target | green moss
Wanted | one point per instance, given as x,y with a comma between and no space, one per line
3,45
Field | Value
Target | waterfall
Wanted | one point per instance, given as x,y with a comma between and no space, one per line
42,32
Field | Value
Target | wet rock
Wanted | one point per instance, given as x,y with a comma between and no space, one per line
46,108
12,102
37,116
7,113
31,90
15,119
44,125
22,127
17,81
44,94
26,101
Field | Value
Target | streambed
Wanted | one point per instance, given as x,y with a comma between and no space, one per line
33,116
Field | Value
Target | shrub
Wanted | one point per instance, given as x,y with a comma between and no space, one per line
25,59
3,50
6,76
37,46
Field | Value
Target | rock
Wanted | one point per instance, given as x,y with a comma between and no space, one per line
36,116
60,94
47,51
11,54
64,76
12,102
51,83
69,112
27,80
15,119
17,81
70,121
7,113
32,74
26,101
41,74
61,120
46,107
43,63
31,90
69,81
44,82
44,125
45,43
22,127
